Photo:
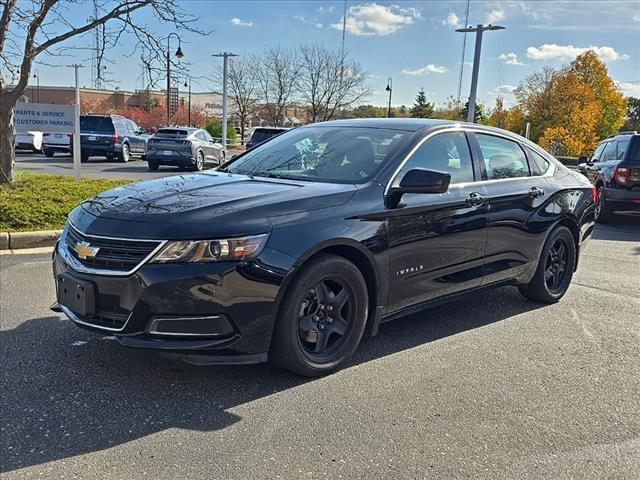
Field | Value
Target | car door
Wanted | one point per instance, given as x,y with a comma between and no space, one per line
513,195
214,151
606,151
437,241
204,145
138,143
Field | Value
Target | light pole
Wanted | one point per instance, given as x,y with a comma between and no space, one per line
225,56
179,55
389,89
471,113
36,75
185,84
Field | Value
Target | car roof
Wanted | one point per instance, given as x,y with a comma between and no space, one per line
409,124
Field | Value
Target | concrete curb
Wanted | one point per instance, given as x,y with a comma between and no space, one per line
19,240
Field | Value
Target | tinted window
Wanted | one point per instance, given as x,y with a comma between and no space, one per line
262,134
96,124
598,152
340,154
537,163
171,132
610,152
633,155
446,152
622,148
502,158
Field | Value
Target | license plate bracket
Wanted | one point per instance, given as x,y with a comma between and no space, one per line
77,295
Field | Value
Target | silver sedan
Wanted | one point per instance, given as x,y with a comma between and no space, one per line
185,147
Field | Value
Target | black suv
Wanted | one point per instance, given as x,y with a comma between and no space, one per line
111,136
614,168
262,134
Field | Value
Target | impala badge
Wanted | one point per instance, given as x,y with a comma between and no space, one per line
85,250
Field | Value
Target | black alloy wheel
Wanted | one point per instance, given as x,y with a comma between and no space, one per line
321,318
325,317
555,268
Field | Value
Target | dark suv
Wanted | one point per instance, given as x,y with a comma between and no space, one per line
111,136
614,168
262,134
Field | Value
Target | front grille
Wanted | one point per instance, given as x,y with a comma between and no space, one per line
114,254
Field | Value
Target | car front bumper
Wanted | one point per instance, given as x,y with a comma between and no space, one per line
234,302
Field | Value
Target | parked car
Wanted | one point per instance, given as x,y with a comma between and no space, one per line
266,258
29,141
184,147
56,142
111,136
614,169
262,134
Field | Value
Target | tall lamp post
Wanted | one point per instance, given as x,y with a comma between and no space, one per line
178,55
225,56
36,75
189,85
389,89
471,113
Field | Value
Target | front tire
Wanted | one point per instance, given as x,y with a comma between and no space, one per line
602,212
322,317
555,268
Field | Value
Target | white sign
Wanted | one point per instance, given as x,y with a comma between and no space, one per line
44,117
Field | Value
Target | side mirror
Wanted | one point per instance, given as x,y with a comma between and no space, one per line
420,180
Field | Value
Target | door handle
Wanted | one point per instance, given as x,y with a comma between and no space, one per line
536,192
474,198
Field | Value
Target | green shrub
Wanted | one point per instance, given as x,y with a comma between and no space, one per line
214,127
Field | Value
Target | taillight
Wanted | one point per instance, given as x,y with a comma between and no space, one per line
621,175
594,193
115,138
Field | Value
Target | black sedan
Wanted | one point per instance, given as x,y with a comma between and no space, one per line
275,258
185,147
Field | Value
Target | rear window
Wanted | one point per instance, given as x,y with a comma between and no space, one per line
172,132
91,124
633,152
262,134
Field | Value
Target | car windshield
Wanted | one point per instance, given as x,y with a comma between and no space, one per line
325,154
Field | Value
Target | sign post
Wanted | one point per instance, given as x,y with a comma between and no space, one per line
76,130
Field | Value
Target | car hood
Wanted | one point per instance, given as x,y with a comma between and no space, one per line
188,206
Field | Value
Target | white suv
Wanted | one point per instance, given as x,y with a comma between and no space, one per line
56,142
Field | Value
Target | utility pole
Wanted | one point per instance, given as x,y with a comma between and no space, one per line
471,113
76,125
225,56
189,85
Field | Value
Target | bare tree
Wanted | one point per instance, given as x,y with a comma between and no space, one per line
29,29
278,71
329,82
242,88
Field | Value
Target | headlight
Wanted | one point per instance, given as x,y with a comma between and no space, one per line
228,249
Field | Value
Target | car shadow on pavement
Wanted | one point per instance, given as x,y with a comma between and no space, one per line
622,227
63,397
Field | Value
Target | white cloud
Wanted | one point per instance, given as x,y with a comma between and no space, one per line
630,89
330,9
431,68
636,17
569,52
239,23
495,16
371,19
502,90
510,59
302,19
452,21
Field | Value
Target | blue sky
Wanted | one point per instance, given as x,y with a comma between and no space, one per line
414,43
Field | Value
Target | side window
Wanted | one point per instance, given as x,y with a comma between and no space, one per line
502,158
537,163
121,126
598,152
610,152
446,152
207,136
200,136
622,149
134,127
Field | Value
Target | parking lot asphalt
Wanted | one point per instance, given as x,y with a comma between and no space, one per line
96,167
491,387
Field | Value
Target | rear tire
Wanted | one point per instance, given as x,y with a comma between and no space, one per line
199,165
84,158
602,212
125,155
322,317
153,166
48,152
555,268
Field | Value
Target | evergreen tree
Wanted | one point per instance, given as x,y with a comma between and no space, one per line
422,108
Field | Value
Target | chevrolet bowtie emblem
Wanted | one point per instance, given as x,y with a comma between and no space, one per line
85,250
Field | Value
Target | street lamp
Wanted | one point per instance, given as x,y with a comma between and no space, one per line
36,75
225,56
471,112
178,55
389,89
189,85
